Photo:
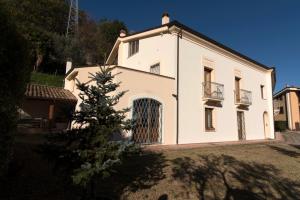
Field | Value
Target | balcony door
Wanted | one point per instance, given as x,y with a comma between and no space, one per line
207,81
237,89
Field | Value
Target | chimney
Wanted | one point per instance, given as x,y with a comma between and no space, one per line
165,18
68,66
122,33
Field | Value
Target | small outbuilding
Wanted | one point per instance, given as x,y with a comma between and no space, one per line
46,108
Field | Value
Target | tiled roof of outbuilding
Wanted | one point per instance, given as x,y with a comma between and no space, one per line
36,91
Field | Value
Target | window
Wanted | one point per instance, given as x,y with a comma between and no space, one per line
278,98
209,119
262,91
133,47
155,69
281,110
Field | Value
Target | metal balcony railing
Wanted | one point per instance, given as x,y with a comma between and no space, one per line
213,91
243,97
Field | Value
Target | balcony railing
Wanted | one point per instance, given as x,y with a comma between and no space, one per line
213,91
243,97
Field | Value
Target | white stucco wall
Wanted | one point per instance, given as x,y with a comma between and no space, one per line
83,75
155,49
144,85
163,48
138,85
191,105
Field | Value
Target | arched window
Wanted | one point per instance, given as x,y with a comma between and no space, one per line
147,117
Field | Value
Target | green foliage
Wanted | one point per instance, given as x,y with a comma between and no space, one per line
68,49
43,24
96,39
14,75
47,79
280,125
106,35
92,150
37,20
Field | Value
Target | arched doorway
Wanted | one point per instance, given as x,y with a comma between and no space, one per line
147,117
266,125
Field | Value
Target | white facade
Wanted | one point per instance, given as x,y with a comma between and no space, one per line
171,43
193,57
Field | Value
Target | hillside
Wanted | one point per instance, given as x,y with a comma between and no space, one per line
47,79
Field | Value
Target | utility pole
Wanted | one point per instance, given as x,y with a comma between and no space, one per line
72,28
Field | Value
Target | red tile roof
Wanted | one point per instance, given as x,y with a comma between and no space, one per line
35,91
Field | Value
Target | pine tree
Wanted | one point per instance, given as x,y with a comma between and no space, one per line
90,151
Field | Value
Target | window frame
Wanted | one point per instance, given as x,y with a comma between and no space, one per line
153,67
209,127
133,47
281,110
237,88
262,92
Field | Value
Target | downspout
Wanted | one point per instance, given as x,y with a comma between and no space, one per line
286,110
288,100
179,35
273,83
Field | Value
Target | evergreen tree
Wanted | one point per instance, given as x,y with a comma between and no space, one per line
90,151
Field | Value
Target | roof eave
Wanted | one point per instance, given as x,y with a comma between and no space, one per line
166,27
218,44
286,89
113,51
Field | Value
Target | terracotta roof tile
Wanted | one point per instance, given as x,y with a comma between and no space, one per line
36,91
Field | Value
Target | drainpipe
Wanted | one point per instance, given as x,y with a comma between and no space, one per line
179,35
288,102
286,110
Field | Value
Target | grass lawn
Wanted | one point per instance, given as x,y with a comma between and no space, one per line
250,171
47,79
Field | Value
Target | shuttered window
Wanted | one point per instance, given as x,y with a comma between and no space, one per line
262,91
155,69
133,48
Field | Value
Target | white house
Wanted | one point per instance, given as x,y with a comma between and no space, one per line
187,88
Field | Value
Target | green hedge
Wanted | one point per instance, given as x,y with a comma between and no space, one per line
47,79
280,125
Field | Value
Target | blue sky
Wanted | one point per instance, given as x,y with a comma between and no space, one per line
265,30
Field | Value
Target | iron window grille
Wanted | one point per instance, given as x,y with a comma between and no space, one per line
147,118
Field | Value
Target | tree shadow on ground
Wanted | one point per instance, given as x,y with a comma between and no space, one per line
297,146
225,177
32,176
137,172
285,151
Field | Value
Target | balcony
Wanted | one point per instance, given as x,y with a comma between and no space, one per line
213,91
243,97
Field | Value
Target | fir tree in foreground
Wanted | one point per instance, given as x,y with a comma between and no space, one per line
90,151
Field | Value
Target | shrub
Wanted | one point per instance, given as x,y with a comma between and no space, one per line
280,125
14,65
